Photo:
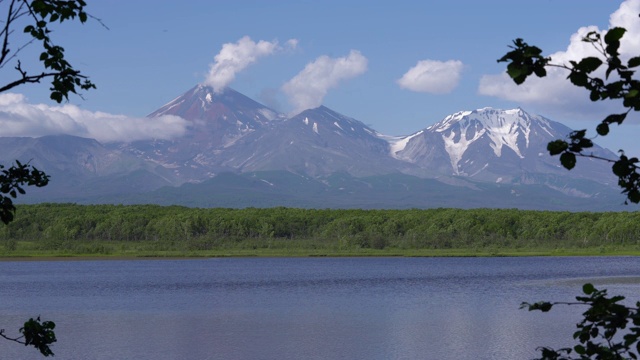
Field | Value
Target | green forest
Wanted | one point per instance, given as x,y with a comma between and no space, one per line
150,230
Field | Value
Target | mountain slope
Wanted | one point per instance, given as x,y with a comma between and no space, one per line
496,146
83,166
486,157
391,191
217,121
316,142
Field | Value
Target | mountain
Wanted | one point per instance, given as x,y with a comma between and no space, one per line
81,167
396,191
315,142
216,122
238,152
502,146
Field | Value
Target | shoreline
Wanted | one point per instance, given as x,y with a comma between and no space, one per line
300,253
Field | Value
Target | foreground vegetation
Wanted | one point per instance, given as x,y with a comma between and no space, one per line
149,230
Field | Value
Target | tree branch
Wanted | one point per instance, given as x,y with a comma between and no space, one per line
36,78
2,335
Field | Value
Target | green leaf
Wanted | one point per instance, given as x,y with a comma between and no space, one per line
602,129
614,35
615,118
579,78
578,134
589,64
540,71
621,167
515,72
568,160
634,61
588,289
557,146
57,96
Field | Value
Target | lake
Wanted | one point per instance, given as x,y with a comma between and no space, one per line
303,308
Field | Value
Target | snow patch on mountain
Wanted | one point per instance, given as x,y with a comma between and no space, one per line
457,145
448,121
504,128
398,143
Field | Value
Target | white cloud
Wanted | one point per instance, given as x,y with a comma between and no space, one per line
431,76
235,57
19,118
292,43
554,93
308,88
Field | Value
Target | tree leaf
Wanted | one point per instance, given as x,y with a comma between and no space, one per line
589,64
557,146
615,118
568,160
579,78
634,61
602,129
588,289
614,35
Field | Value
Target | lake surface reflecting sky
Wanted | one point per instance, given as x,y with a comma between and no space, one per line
303,308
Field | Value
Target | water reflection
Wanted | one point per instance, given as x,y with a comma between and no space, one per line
345,308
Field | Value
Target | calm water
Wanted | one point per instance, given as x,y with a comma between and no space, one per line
302,308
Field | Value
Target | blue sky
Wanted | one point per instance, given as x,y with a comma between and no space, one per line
347,55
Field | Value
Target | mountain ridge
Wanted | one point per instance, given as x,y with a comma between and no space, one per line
229,133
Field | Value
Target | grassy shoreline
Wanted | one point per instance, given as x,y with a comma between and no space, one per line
175,255
67,231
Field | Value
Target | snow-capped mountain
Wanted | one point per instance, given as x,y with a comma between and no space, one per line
502,146
230,132
487,150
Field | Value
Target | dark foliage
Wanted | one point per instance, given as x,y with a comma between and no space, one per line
525,60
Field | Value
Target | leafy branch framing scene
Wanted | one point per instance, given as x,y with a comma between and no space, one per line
526,60
609,329
30,21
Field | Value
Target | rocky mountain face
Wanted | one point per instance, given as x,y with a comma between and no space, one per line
230,133
217,122
501,146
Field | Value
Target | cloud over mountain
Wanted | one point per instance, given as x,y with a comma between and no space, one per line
19,118
554,92
432,76
235,57
308,88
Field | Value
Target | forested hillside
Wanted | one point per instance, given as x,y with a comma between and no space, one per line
109,229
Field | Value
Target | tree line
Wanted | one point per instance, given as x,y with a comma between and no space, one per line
64,226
